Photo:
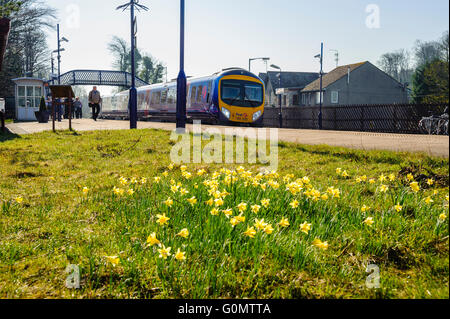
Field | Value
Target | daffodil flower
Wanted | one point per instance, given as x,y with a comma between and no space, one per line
250,232
369,221
162,219
152,240
180,256
284,223
184,233
320,244
305,227
164,252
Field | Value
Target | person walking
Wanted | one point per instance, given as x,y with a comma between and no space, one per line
78,106
94,102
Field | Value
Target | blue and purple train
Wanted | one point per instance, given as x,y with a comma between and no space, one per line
232,96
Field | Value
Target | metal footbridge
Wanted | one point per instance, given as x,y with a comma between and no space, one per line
97,77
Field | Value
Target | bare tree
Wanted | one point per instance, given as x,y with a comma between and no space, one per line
426,52
397,65
444,46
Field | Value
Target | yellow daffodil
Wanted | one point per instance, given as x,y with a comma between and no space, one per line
320,244
339,171
358,180
227,212
164,252
430,182
345,174
165,173
372,181
428,200
215,212
382,178
19,199
384,188
210,202
201,172
410,177
180,256
118,191
369,221
398,208
305,227
143,181
260,224
184,233
324,197
130,191
234,221
218,202
152,240
284,223
85,190
392,177
184,191
183,168
442,217
365,209
256,208
250,232
123,181
157,179
171,166
169,202
242,207
415,187
294,204
265,203
114,260
268,229
241,218
192,201
162,219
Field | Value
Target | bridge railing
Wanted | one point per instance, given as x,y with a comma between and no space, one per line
98,77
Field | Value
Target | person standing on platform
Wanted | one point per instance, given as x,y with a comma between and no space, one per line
94,102
78,106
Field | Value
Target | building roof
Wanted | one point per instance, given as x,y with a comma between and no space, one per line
288,79
333,76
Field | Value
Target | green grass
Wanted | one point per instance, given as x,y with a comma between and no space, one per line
57,225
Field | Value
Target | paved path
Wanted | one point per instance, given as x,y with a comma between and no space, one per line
432,145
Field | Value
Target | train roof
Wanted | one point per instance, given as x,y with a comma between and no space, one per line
224,72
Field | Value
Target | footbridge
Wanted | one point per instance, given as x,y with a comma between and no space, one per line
97,77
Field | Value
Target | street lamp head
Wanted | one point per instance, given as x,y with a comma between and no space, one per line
275,67
63,39
318,56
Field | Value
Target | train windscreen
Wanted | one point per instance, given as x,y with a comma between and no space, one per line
242,93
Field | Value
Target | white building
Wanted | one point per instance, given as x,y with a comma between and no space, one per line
28,94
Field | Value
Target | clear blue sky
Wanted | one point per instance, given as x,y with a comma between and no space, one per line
226,33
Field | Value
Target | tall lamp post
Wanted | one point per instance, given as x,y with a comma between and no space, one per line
132,104
320,56
53,63
59,50
181,80
280,115
254,59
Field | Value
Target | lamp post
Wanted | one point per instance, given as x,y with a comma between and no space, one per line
320,56
53,63
181,80
254,59
59,50
132,104
280,115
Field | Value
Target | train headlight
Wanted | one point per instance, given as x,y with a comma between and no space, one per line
257,115
226,113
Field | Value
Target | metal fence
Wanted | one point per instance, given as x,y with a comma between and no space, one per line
385,118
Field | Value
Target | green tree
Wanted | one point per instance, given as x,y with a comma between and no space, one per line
431,83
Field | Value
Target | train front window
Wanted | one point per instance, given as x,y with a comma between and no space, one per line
242,93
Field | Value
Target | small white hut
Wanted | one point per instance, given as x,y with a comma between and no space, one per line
28,96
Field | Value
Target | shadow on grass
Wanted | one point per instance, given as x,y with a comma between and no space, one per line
7,136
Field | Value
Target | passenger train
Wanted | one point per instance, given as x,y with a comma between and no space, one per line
231,97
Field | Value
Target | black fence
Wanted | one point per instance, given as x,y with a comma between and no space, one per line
386,118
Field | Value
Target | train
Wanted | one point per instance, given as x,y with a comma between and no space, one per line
232,96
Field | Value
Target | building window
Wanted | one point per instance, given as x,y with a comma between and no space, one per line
284,100
318,98
304,99
334,97
295,100
29,96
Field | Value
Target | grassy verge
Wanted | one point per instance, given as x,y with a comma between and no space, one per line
90,200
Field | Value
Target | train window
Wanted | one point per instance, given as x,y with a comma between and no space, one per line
193,94
199,94
156,97
171,96
164,96
209,92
